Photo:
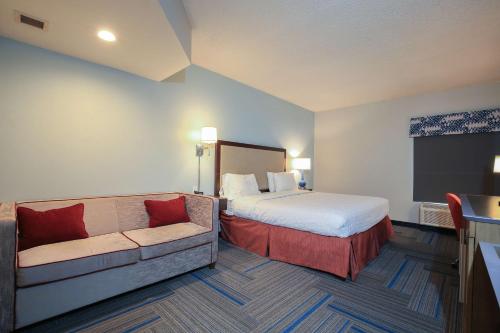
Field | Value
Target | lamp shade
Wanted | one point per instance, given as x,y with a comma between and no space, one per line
301,164
496,167
209,135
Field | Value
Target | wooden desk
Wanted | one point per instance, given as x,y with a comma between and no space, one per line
481,208
486,290
482,215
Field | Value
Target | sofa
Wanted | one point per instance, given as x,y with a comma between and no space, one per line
121,254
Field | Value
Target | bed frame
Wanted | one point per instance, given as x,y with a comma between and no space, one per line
244,158
339,256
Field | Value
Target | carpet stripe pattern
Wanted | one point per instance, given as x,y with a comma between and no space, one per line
410,287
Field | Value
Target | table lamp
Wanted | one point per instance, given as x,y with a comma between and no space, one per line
301,164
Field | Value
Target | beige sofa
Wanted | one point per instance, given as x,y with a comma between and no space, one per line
120,255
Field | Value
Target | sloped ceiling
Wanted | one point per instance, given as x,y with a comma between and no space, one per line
319,54
148,44
327,54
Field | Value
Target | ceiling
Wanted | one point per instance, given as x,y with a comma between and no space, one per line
147,42
319,54
327,54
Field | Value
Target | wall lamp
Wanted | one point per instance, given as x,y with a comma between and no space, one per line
208,138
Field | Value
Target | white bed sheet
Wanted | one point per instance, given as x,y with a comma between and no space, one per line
327,214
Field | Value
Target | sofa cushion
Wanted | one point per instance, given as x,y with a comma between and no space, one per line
156,242
167,212
59,261
51,226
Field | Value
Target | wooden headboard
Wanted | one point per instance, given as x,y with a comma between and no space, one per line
244,158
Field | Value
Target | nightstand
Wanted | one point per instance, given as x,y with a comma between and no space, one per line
222,204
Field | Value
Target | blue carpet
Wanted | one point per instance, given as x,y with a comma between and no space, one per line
410,287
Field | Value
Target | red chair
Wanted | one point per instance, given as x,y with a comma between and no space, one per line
455,206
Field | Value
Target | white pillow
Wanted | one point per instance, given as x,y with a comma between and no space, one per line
270,181
284,181
235,185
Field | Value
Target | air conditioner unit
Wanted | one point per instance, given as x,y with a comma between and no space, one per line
436,214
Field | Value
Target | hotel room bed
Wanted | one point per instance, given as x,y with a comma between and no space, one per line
327,214
335,233
330,232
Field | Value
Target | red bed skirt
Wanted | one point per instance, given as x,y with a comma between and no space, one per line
339,256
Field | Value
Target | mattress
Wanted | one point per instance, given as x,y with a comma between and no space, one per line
327,214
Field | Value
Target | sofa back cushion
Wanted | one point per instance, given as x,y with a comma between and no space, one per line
108,214
99,214
132,213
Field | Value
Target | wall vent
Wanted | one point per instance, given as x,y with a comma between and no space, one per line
31,21
436,214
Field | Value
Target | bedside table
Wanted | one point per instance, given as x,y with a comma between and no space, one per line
222,204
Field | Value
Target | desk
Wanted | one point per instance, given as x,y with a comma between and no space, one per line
482,215
486,290
481,208
491,256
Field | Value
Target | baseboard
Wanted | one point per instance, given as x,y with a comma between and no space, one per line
422,227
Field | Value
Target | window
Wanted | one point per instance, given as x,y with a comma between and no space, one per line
455,163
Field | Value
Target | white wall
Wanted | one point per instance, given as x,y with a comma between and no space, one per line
71,128
366,149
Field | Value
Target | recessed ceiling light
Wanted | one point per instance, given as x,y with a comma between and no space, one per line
106,35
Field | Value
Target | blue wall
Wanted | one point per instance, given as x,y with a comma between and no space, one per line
70,128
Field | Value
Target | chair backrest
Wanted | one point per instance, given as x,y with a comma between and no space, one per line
455,206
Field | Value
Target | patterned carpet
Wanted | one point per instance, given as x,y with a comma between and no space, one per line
410,287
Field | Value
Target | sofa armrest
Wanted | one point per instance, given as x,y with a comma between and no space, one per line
203,210
8,237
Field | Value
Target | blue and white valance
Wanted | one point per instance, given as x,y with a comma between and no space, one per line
484,121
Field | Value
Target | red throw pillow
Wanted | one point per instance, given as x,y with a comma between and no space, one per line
51,226
166,212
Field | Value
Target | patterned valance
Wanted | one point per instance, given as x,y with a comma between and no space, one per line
484,121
